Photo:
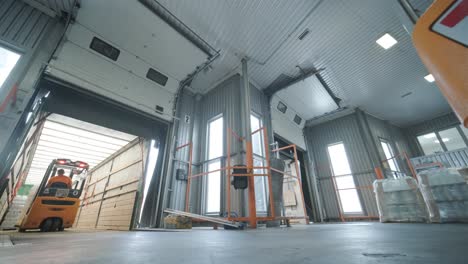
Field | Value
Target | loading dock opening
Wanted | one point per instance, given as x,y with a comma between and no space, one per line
69,123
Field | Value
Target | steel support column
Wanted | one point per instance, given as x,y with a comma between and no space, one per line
246,134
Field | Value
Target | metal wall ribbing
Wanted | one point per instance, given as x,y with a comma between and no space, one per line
348,130
21,25
184,136
21,30
222,100
450,159
394,135
440,122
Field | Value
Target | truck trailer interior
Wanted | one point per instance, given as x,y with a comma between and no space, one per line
219,131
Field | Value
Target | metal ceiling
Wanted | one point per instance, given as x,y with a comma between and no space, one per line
420,6
309,97
64,137
341,39
52,7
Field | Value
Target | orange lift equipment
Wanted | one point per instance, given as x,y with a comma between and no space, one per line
233,171
441,39
54,207
243,175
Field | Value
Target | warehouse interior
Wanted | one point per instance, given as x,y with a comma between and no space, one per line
234,131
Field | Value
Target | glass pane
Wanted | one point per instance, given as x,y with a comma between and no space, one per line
260,187
452,139
349,198
215,138
389,156
213,198
345,182
215,150
430,144
8,60
257,138
350,201
258,149
339,160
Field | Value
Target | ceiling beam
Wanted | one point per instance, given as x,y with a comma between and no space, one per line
275,87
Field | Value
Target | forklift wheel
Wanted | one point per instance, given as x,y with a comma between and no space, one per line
46,226
56,224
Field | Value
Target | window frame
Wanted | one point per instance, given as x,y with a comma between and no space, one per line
460,133
262,158
21,53
210,161
398,172
441,142
351,174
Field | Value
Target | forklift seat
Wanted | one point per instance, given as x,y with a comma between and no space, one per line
59,185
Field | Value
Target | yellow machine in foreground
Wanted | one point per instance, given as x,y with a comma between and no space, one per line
54,207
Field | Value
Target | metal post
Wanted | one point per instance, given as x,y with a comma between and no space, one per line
299,182
409,10
228,174
270,184
189,179
246,134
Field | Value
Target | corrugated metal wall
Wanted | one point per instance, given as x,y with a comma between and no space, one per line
451,159
349,131
21,25
384,130
184,135
395,136
22,29
346,130
225,100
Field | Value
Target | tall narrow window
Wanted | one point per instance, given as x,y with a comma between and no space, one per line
391,161
259,154
342,174
8,60
215,151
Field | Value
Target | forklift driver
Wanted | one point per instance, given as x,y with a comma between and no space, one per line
59,178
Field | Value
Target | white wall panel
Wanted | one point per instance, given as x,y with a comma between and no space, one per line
144,41
309,97
284,126
133,27
22,29
90,71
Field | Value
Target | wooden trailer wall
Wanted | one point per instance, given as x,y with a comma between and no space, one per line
113,186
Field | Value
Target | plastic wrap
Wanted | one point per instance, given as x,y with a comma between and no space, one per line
445,192
399,200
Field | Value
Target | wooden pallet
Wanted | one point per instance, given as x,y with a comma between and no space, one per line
215,220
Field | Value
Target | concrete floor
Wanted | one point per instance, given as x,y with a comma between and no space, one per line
320,243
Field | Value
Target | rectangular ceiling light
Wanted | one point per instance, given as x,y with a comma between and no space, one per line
429,78
386,41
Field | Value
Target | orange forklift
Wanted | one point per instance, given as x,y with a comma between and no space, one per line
56,204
